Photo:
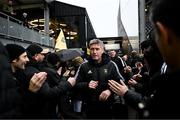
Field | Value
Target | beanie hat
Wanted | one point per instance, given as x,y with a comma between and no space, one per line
14,51
34,49
3,50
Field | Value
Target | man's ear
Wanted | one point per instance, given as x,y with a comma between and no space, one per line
15,60
164,33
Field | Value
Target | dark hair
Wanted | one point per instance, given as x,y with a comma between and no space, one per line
166,12
153,57
34,49
52,58
145,44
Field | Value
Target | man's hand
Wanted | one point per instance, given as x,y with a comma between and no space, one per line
66,74
59,70
104,95
93,84
127,69
137,77
36,81
118,88
72,81
132,82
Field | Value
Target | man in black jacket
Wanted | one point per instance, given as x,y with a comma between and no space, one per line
9,99
18,60
92,79
165,99
118,60
41,104
168,41
12,98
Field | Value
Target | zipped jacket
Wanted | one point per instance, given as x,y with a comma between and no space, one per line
101,72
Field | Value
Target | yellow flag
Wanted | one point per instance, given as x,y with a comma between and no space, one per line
60,42
88,51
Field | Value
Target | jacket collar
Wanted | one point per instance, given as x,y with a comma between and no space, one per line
105,60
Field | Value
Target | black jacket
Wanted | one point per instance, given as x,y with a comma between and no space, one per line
165,100
102,72
42,103
119,62
10,98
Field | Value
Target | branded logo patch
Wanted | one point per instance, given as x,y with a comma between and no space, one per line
89,72
105,71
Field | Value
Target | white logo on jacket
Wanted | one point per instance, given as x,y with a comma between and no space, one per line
89,72
105,71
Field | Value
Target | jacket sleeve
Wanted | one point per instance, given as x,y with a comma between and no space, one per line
116,75
80,77
56,91
133,99
49,91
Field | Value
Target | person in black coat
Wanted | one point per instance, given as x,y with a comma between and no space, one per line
12,97
40,102
92,80
144,89
164,102
55,79
118,60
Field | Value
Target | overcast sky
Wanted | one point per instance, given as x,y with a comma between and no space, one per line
103,15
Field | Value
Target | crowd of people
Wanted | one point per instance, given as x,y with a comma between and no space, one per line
105,85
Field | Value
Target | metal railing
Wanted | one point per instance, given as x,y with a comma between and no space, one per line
13,28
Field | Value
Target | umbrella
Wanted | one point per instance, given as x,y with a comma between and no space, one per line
69,54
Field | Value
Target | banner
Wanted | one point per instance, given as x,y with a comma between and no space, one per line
60,42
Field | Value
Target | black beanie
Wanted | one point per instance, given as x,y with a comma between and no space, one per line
34,49
14,51
3,50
